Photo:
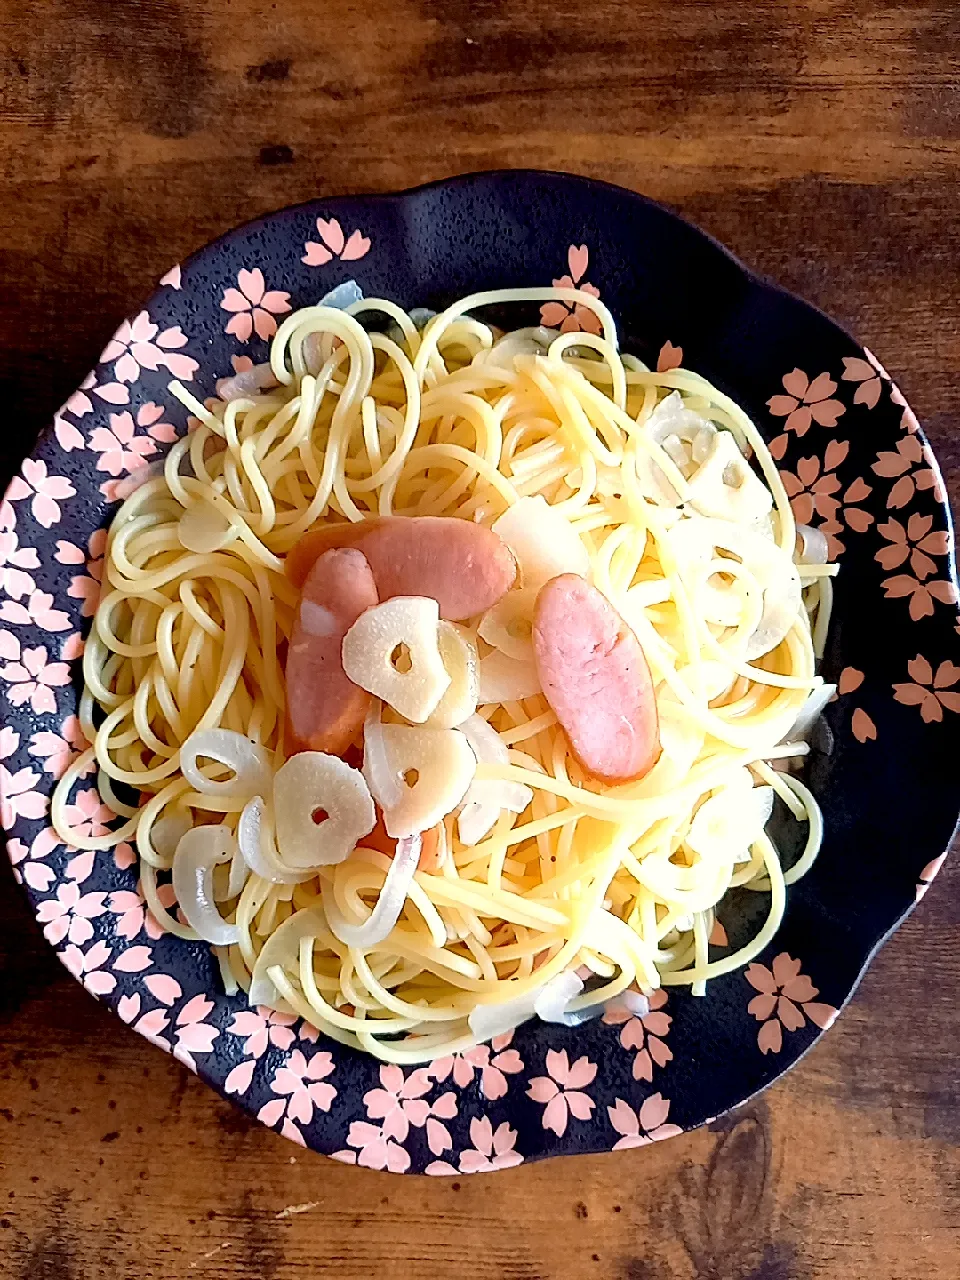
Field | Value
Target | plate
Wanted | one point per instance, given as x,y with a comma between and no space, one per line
855,463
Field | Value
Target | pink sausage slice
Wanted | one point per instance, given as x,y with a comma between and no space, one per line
596,679
325,710
465,567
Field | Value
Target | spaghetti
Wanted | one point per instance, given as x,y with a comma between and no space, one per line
616,883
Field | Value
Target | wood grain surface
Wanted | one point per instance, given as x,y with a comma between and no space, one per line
820,141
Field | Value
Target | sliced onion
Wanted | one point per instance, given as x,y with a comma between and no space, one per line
382,778
260,854
814,548
421,316
250,762
283,948
198,852
634,1002
489,1020
728,822
548,1002
486,797
553,999
343,296
238,874
247,383
483,804
505,679
167,832
810,713
381,920
204,529
487,744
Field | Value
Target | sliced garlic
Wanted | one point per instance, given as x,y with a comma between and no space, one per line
435,766
726,487
543,540
508,626
686,439
322,808
695,543
393,651
460,660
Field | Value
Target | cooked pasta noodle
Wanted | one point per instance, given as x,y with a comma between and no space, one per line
454,419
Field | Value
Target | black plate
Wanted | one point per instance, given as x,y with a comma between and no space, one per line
855,463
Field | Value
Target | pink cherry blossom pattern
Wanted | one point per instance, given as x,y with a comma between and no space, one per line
646,1034
14,560
172,279
80,867
84,587
133,916
807,401
917,542
28,864
261,1028
87,967
861,724
254,306
930,690
492,1149
399,1102
59,750
670,357
786,999
87,814
562,1090
816,490
258,1029
871,375
573,317
68,436
80,404
163,987
68,914
372,1149
134,959
869,379
494,1061
36,611
438,1135
45,491
928,874
302,1086
139,345
192,1034
911,468
33,679
151,1025
639,1128
18,799
120,449
72,647
334,243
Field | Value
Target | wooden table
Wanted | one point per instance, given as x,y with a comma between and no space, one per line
822,142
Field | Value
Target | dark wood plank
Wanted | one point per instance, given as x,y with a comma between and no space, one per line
821,141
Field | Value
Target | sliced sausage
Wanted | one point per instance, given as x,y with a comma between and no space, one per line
325,710
595,677
383,843
465,567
